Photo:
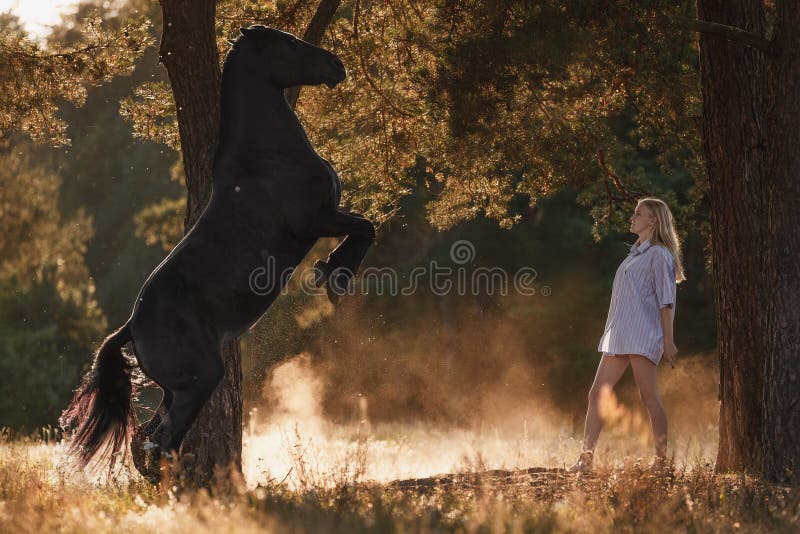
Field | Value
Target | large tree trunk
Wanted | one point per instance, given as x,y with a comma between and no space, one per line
734,81
189,52
781,433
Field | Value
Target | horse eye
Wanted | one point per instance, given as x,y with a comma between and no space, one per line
292,40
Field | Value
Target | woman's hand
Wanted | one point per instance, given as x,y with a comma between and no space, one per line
670,352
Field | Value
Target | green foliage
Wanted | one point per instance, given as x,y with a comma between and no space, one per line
53,93
502,102
546,117
113,176
48,313
506,101
45,345
151,112
543,87
34,237
34,80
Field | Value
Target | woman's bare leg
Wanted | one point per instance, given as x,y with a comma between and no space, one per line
610,370
645,373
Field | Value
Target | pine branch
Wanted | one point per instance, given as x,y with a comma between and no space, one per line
728,32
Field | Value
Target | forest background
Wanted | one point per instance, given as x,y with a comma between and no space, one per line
531,139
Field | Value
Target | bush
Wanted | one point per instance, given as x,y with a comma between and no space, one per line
45,344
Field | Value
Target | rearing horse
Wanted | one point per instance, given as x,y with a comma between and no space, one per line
273,197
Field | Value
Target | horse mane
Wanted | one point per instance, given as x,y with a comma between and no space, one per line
244,72
242,30
237,51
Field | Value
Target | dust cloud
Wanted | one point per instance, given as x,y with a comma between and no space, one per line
294,442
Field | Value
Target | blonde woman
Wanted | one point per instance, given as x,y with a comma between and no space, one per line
638,329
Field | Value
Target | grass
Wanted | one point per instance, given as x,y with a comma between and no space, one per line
325,494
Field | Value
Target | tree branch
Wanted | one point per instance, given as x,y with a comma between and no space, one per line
362,63
627,195
728,32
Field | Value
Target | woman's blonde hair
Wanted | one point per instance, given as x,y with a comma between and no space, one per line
664,233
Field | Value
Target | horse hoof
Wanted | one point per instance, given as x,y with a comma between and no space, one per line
333,296
138,454
321,272
149,445
147,460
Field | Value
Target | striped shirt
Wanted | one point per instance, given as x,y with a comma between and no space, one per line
644,283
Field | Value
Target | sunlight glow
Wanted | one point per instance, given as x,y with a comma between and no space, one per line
37,16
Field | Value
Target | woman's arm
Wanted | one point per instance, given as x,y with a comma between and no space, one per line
667,315
664,278
666,322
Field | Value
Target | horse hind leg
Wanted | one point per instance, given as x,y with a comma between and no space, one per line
139,453
177,353
188,398
172,424
163,407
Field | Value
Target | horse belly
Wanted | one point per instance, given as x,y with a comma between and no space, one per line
265,283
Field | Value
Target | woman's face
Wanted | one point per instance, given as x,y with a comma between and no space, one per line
642,220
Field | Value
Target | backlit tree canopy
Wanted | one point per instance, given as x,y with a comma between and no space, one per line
34,80
502,100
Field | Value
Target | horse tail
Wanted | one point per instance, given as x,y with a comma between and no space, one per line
101,408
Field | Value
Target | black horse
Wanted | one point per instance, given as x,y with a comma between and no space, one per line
273,197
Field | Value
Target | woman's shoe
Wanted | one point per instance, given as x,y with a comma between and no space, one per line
584,463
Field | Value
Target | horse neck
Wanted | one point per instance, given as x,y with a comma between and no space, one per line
255,112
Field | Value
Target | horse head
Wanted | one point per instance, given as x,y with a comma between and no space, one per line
288,61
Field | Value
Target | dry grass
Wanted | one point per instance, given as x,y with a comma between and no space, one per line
37,495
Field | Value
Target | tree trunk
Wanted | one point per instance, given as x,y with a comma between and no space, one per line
734,82
781,433
189,52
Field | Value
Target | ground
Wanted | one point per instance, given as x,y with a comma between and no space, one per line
38,495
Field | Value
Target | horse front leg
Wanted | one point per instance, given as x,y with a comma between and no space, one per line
343,262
